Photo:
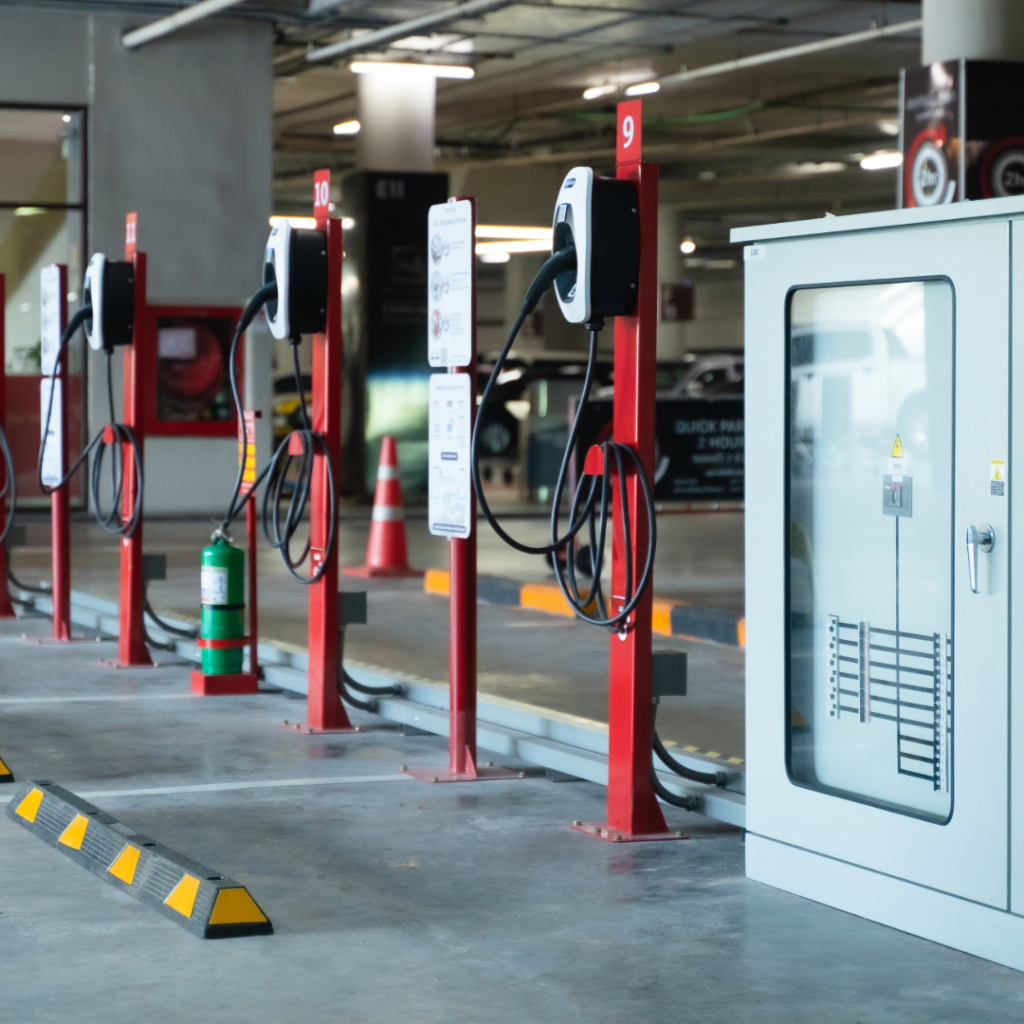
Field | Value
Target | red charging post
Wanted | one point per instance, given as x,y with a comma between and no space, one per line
6,608
131,644
634,813
324,710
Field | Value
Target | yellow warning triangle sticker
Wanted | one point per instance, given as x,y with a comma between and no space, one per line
29,806
125,864
897,448
4,770
182,897
236,906
73,835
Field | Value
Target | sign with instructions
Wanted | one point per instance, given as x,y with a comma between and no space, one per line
450,283
49,346
450,424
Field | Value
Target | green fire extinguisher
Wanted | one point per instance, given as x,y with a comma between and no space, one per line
222,592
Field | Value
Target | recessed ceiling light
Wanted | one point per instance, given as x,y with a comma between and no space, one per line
881,161
66,119
687,245
347,128
642,89
371,67
595,92
495,257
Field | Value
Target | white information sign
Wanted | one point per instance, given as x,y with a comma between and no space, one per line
450,284
53,447
49,317
450,489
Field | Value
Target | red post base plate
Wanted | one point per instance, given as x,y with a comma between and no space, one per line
312,730
228,684
614,835
483,774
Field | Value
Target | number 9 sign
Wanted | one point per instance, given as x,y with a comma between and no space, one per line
627,140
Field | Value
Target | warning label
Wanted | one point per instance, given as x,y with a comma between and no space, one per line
997,477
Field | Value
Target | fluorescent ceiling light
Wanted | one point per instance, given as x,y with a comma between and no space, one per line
510,231
881,161
347,223
642,89
296,222
526,245
28,211
347,128
495,257
66,118
371,67
687,245
595,92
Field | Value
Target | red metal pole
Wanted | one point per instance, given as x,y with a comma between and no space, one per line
6,608
250,534
131,644
324,709
60,499
462,608
633,808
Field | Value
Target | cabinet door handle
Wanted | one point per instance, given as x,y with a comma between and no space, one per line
978,537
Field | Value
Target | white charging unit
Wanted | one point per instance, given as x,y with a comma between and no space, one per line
885,660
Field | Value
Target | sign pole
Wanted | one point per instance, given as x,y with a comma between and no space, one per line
453,345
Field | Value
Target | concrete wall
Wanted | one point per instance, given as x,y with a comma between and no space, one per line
179,132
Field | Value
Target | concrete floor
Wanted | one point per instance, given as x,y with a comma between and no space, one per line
554,662
401,903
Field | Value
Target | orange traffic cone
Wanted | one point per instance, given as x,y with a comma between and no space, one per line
386,554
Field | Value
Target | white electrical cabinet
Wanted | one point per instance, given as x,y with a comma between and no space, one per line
885,660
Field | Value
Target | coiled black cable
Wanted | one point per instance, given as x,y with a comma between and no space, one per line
280,533
114,521
589,502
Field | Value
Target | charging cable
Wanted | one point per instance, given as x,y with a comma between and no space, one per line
114,435
280,531
590,505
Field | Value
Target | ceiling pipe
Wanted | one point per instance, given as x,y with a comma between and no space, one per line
373,40
165,26
771,56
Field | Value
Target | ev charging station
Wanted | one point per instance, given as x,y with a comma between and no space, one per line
113,302
884,715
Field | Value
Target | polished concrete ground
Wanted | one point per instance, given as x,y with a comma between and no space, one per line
554,662
395,902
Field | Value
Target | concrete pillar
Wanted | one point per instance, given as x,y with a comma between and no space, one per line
671,270
396,117
978,29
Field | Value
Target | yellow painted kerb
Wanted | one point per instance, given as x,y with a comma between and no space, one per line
436,581
29,806
236,906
